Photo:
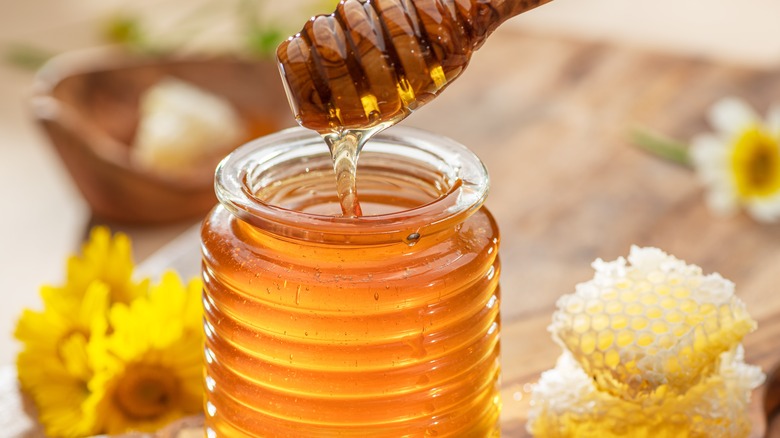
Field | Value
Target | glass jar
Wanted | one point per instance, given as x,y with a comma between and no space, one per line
386,325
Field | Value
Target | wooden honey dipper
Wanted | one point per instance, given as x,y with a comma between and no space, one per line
372,62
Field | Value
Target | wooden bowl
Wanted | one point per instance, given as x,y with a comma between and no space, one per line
88,104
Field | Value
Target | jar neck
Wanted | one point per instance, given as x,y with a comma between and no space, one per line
411,183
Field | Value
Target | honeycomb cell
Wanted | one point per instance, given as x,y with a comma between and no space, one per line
610,294
619,322
645,339
624,339
588,343
629,296
598,359
669,303
639,323
634,309
688,306
659,327
613,307
612,358
581,323
600,322
643,286
594,307
605,340
575,305
707,308
666,341
680,331
648,299
654,313
675,317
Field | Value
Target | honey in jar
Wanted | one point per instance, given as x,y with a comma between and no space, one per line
383,325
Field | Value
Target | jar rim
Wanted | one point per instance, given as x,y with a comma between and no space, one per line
464,198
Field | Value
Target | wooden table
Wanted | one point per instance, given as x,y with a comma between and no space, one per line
550,118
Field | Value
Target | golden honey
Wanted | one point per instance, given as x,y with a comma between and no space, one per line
385,325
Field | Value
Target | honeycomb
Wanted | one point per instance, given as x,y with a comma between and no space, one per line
650,344
566,404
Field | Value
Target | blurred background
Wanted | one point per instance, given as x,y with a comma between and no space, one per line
44,218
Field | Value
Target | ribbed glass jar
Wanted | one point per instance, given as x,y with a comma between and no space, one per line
386,325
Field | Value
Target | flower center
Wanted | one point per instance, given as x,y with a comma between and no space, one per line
755,162
146,392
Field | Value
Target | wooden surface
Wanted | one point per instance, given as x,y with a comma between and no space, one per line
549,117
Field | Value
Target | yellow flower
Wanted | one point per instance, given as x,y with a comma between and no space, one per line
53,366
148,370
107,354
740,163
109,260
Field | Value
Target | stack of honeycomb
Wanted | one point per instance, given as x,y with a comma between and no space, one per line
651,349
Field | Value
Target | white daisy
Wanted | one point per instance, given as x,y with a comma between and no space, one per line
740,162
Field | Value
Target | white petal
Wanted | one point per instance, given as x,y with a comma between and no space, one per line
722,201
730,115
710,159
706,148
765,210
713,177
